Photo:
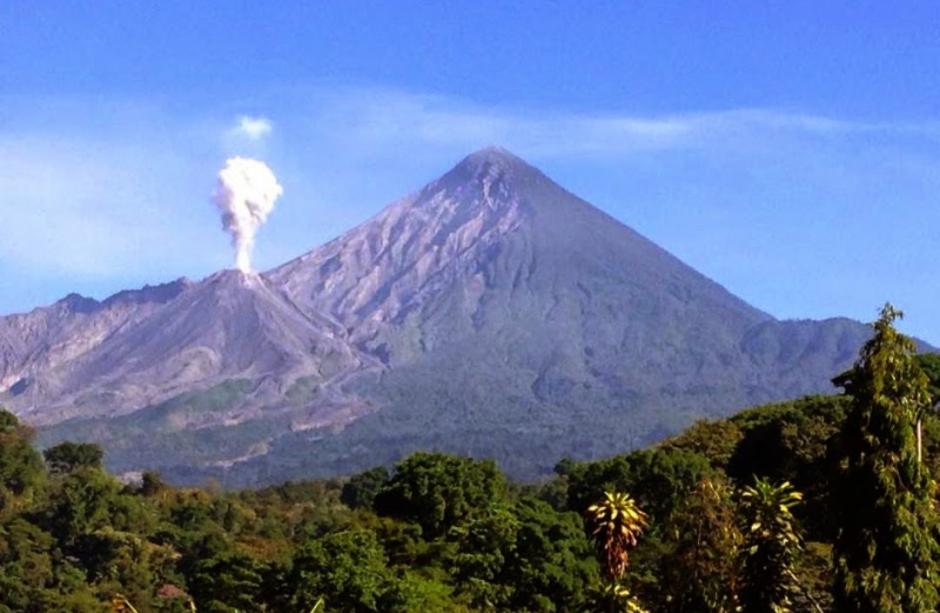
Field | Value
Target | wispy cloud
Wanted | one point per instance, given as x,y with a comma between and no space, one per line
253,128
379,118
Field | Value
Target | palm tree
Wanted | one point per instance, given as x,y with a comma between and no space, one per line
771,542
617,522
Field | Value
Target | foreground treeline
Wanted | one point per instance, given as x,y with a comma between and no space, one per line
818,504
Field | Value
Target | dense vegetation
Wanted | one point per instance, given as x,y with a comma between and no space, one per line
775,509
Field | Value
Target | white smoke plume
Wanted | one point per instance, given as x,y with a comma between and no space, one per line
245,194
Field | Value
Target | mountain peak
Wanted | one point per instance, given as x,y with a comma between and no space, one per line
493,154
494,157
76,303
490,165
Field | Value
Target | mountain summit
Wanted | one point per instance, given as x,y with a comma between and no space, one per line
491,312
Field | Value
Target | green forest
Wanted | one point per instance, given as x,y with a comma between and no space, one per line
818,504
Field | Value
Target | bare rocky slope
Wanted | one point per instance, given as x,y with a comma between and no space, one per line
490,313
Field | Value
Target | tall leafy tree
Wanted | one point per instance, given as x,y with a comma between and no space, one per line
886,556
702,572
437,491
226,582
527,557
361,489
486,553
21,469
66,457
83,501
27,567
347,570
771,544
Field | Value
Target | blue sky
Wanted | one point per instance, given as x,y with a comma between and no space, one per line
789,150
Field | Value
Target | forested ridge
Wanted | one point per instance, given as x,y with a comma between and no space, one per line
821,503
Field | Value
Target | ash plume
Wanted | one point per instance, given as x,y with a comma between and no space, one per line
245,194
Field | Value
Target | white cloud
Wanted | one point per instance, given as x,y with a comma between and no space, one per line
253,128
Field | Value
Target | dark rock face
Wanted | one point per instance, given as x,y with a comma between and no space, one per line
491,313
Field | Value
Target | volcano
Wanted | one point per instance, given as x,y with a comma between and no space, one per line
491,313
